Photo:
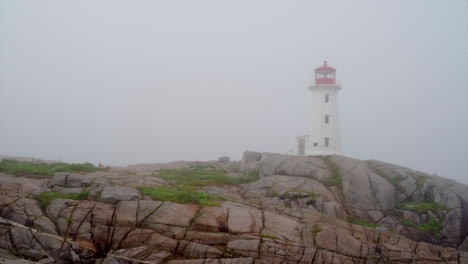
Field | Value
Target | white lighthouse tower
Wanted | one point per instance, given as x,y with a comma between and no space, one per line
324,130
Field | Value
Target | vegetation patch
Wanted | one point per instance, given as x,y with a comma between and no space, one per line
395,181
268,236
433,227
405,221
420,179
357,221
336,176
253,176
202,176
181,195
16,167
316,229
46,197
422,207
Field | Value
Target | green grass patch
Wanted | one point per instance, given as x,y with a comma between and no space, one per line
181,195
197,176
360,222
406,222
46,197
268,236
315,230
16,167
422,207
182,184
433,227
335,171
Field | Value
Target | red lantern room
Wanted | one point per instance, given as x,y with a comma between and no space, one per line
325,74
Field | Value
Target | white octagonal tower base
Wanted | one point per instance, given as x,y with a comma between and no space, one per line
324,129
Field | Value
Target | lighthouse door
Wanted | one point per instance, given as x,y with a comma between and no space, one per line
301,147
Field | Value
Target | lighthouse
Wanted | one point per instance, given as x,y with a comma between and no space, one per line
324,129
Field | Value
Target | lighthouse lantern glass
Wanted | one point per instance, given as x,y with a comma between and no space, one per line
325,74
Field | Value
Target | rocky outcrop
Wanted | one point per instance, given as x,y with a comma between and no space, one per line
371,191
22,186
300,210
157,231
101,178
31,244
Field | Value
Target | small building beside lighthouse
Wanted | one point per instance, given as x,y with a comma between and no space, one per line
324,124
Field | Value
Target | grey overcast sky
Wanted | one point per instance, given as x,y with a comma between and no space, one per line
124,82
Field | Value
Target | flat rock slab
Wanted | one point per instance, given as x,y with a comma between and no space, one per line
173,214
115,194
282,227
248,248
244,220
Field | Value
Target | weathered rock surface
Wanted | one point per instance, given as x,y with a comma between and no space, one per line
22,186
367,190
293,214
115,194
101,178
34,245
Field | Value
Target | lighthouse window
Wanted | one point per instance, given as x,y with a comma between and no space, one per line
327,98
327,119
327,142
315,144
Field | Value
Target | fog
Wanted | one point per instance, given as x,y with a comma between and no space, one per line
124,82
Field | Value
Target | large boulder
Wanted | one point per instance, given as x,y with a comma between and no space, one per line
363,188
71,180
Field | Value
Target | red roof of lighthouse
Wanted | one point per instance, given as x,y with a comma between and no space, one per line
325,67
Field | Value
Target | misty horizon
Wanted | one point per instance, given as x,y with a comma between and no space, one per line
148,82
